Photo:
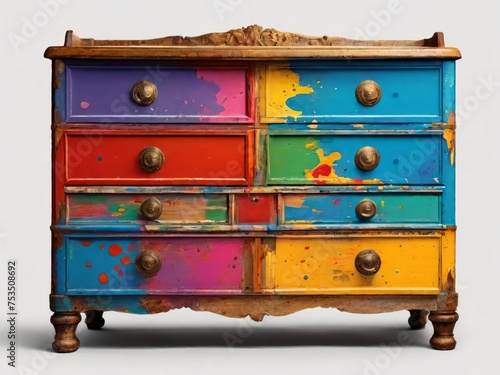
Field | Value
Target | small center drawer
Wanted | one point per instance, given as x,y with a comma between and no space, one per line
117,92
163,159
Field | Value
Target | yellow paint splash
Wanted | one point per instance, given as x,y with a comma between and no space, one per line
382,204
358,126
317,211
312,145
449,136
282,84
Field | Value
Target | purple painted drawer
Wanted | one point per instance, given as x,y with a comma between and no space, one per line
200,265
123,93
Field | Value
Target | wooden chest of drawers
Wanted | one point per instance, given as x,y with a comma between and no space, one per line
253,172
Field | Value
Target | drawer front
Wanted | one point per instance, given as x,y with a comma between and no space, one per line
331,159
314,265
188,265
99,93
142,208
361,209
188,159
326,92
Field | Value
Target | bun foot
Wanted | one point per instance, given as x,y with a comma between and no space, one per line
417,319
65,326
444,323
94,319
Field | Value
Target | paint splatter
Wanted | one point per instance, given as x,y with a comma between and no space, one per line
322,170
306,277
88,264
101,247
382,204
336,201
125,260
84,105
86,243
395,95
103,278
303,261
99,158
117,268
115,250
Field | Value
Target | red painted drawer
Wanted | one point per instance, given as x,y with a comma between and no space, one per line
189,159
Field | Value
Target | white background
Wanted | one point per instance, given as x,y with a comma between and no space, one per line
314,341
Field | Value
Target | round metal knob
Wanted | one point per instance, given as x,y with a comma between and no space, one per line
368,262
368,93
148,263
151,208
144,93
367,158
366,209
151,159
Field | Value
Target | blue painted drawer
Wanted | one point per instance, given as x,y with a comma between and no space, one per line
107,265
306,91
378,208
319,159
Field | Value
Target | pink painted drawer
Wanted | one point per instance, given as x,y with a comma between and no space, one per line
200,265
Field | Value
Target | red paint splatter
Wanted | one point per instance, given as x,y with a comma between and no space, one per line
117,268
322,170
336,201
84,105
303,261
131,246
120,273
307,247
86,243
103,278
115,250
125,260
88,264
320,182
357,180
101,247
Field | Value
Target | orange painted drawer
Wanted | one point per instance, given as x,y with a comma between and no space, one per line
408,264
163,159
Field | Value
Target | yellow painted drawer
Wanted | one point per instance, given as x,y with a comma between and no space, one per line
410,264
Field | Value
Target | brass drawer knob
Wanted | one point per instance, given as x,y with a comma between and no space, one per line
151,208
151,159
367,158
148,263
368,262
368,93
366,209
144,93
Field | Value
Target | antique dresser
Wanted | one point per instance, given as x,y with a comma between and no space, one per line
253,172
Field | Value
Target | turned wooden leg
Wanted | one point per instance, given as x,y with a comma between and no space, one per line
65,324
94,319
444,323
417,319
